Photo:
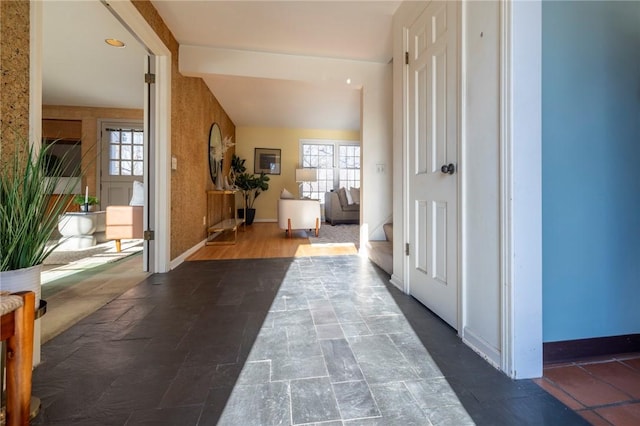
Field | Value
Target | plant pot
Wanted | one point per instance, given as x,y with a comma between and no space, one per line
84,207
251,215
25,279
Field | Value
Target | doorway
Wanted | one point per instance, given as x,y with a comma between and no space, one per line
121,161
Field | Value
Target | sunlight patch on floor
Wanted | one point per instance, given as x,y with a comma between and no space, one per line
336,347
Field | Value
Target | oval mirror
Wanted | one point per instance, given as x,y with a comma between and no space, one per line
215,151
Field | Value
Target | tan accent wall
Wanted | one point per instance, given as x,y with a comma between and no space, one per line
89,117
288,141
14,75
193,110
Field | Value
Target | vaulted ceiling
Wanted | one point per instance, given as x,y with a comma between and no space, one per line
80,69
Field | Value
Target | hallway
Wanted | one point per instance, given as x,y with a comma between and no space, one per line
276,341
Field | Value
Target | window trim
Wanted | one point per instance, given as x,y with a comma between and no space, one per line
336,143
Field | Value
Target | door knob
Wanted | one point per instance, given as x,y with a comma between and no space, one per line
448,168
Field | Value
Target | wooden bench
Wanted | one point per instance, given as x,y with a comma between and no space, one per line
17,313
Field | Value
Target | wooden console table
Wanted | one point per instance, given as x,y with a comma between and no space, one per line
222,217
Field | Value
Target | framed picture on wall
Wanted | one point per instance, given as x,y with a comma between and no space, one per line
267,160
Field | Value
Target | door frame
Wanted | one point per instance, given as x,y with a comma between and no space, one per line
129,16
159,183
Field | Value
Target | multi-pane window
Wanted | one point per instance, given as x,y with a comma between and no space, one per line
349,160
320,157
337,164
126,152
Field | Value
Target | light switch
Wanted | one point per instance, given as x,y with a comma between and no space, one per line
380,168
174,163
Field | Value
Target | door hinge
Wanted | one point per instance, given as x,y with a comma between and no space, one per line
406,58
150,78
406,249
149,235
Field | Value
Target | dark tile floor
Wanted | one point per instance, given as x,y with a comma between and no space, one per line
276,341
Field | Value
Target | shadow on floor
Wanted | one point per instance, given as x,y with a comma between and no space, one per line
276,341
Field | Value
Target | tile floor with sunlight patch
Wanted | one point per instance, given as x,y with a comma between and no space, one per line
309,340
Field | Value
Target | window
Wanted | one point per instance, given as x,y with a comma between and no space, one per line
126,152
337,162
349,160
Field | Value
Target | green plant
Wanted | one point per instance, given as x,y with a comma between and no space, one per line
251,186
28,212
80,199
237,168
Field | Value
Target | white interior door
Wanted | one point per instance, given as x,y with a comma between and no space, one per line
122,161
432,147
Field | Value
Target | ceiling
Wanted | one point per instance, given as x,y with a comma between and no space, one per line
80,69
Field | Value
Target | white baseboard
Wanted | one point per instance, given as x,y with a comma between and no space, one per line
397,282
481,347
178,260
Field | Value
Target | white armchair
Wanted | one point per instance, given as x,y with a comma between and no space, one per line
299,214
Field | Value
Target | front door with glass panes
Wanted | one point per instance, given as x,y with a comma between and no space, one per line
122,161
337,164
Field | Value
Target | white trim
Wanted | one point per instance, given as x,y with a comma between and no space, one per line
481,347
406,207
180,259
521,189
35,120
460,171
130,16
506,277
396,281
35,72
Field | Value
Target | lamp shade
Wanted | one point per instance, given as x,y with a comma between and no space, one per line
306,175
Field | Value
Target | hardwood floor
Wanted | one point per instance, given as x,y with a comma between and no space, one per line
265,240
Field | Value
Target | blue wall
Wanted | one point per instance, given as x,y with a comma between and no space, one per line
590,169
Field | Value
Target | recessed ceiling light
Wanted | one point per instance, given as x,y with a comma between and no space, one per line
114,42
348,81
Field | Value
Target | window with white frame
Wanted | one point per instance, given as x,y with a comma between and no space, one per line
126,152
337,164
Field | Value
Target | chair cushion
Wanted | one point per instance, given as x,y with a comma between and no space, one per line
342,196
388,231
286,195
349,197
137,198
355,195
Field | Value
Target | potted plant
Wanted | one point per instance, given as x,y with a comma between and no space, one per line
84,200
28,217
251,186
237,168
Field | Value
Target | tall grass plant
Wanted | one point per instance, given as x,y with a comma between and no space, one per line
28,211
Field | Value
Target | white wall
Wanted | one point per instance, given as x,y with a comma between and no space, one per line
376,198
480,176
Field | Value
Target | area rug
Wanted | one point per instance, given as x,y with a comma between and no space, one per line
98,254
338,234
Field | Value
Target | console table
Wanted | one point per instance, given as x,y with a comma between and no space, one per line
222,218
82,230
